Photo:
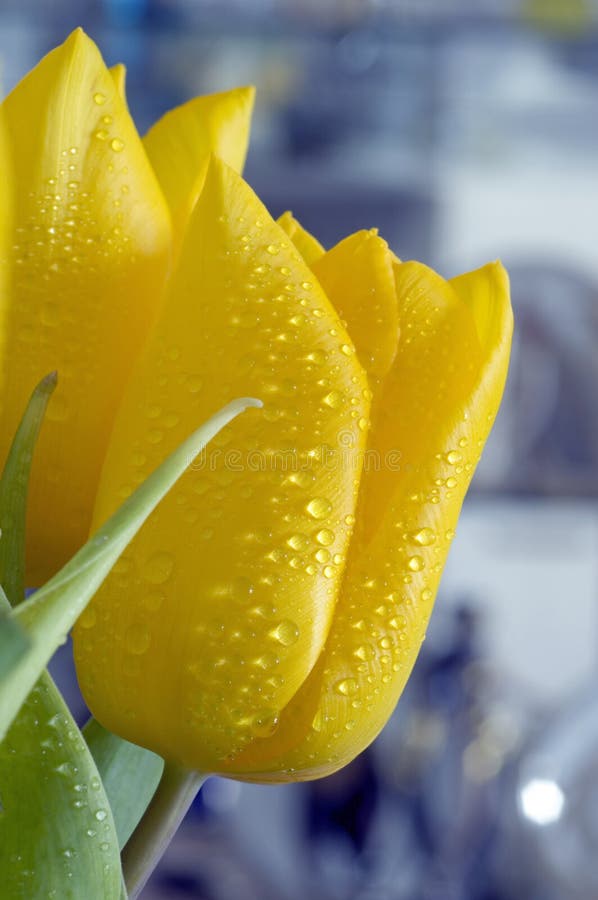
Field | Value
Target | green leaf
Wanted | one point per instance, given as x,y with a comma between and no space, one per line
13,640
48,615
130,775
13,491
13,500
57,834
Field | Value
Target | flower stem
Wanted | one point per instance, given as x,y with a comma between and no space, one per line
174,795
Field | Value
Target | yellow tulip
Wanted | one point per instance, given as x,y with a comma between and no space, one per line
264,622
265,619
91,244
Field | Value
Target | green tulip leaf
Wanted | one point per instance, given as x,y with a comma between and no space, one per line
57,834
13,499
48,615
130,775
13,640
13,491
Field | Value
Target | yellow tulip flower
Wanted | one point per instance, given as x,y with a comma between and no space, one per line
265,619
90,251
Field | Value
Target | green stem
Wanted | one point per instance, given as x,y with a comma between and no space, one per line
145,847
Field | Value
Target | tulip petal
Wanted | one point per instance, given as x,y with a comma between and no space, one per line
231,585
180,143
357,275
91,245
119,76
307,245
442,396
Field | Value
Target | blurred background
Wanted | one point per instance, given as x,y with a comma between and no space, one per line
464,130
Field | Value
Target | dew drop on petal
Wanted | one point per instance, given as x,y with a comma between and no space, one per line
346,687
285,633
325,537
416,563
158,568
319,508
424,537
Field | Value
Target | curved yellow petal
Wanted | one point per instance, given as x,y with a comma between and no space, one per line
357,275
442,395
119,76
307,245
231,585
90,252
179,145
483,291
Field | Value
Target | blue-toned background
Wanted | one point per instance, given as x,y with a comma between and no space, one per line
464,130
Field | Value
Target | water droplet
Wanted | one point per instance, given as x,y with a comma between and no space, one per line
346,349
272,249
158,568
449,534
333,399
349,520
266,660
100,814
451,482
426,595
347,687
416,563
325,537
298,541
285,633
319,508
453,457
99,98
362,424
102,134
424,537
137,639
301,479
265,723
117,145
